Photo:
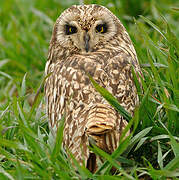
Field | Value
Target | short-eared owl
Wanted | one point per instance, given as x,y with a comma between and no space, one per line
89,39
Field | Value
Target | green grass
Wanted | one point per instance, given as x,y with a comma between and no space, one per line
29,151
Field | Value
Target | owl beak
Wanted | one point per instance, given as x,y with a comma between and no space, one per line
86,39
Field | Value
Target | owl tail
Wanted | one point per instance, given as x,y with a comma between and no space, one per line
101,119
102,127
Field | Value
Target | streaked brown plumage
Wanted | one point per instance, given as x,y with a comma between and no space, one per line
89,39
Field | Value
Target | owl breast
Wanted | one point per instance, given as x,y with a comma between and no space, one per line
88,115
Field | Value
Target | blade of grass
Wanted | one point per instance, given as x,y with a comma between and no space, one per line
111,99
85,173
112,161
37,98
138,137
159,157
174,143
153,25
59,139
19,171
141,142
6,174
23,86
172,165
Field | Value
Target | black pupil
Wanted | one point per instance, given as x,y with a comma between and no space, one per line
70,29
102,28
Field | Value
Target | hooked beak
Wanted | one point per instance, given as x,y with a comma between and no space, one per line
86,39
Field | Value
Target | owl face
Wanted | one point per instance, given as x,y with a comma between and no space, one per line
85,28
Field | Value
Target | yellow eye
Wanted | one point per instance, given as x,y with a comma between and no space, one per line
70,29
101,28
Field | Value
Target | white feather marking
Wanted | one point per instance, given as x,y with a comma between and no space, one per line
71,106
53,118
46,67
76,85
74,76
62,100
59,116
54,93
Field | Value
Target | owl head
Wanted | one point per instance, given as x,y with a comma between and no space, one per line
86,28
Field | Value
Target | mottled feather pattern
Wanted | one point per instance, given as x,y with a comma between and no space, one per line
68,88
72,88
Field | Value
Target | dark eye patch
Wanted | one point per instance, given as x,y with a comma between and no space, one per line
101,28
70,29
